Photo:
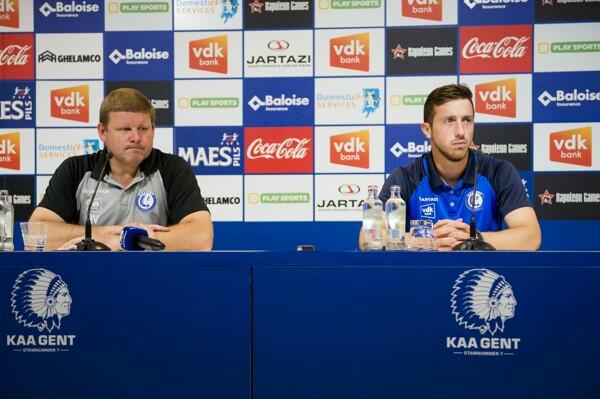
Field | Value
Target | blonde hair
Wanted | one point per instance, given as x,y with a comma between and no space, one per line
126,99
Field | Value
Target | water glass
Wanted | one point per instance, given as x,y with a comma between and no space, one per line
35,235
420,237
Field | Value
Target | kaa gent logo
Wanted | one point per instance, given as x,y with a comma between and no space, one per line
482,300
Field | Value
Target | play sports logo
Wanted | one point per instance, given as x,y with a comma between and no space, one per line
350,52
9,13
497,98
71,103
209,54
573,146
350,149
430,10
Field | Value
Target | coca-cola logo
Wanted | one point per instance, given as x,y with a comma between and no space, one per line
290,148
15,54
507,47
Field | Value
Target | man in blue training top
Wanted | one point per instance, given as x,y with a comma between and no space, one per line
439,185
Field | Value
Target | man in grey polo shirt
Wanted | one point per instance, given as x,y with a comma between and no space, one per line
142,186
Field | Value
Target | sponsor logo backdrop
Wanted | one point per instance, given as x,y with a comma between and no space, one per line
288,110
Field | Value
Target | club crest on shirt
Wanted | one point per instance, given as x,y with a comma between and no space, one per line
145,201
474,202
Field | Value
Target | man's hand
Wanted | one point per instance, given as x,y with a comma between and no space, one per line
448,233
111,235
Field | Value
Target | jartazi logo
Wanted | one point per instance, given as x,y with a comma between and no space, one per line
423,9
572,146
141,56
9,13
280,103
10,151
350,52
68,9
482,301
572,98
71,103
350,149
209,54
40,299
491,4
497,98
412,149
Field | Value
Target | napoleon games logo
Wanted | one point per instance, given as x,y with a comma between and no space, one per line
372,101
482,301
230,8
9,13
40,299
145,201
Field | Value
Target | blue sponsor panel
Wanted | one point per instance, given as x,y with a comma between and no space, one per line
138,55
16,104
279,102
69,16
495,12
527,180
566,97
403,144
215,150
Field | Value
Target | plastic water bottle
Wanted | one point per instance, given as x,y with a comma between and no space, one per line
373,221
6,222
395,212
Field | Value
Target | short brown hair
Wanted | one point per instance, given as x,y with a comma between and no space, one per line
444,94
126,99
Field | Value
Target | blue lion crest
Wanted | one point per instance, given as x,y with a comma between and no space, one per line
40,299
482,300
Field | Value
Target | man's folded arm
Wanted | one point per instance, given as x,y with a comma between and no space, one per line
522,233
193,232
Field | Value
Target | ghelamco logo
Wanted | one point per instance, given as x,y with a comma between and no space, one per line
40,299
138,57
491,4
278,104
68,9
49,56
482,301
572,98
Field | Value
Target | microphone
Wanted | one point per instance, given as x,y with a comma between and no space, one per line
88,244
474,243
136,239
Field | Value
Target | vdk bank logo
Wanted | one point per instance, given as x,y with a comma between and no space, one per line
430,10
71,103
482,300
209,54
572,146
20,108
372,101
10,151
350,149
40,299
350,52
497,98
69,9
9,13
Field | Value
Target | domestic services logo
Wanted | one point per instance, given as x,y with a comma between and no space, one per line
209,54
40,299
482,301
350,52
9,13
10,151
71,103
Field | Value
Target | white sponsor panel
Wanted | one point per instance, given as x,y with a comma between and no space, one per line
41,183
349,48
337,13
209,52
163,139
53,146
346,100
340,197
278,198
208,102
45,100
278,53
17,144
354,149
69,56
566,146
501,95
207,15
224,196
421,12
24,15
136,15
406,96
567,47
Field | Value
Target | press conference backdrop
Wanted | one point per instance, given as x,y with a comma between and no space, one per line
288,110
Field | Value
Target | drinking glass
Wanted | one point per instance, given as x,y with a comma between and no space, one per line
420,237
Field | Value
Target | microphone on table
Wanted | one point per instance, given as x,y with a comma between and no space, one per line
89,244
474,243
135,238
